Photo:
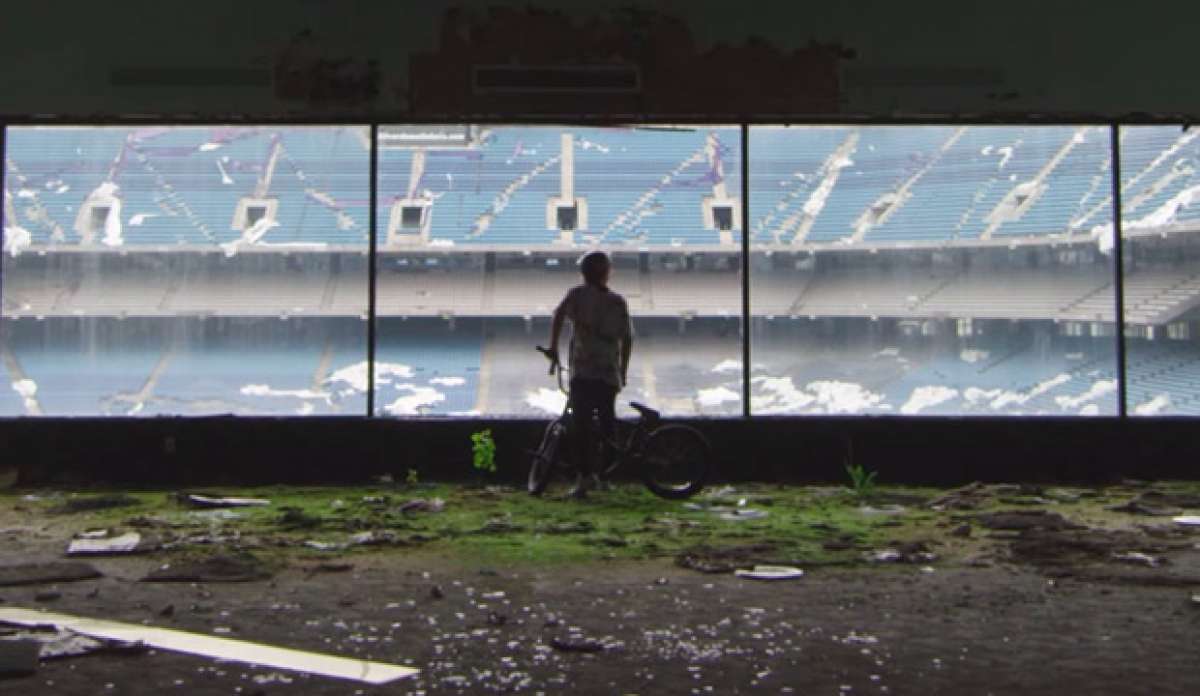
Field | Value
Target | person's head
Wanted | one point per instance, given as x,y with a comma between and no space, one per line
595,267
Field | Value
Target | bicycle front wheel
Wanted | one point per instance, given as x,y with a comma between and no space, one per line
675,461
542,466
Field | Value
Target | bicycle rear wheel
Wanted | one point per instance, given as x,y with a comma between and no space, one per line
675,461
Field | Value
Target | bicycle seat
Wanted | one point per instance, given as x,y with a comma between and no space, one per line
644,411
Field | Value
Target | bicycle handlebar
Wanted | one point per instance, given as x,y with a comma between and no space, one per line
556,367
552,357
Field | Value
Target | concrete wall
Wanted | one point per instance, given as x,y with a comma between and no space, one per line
937,56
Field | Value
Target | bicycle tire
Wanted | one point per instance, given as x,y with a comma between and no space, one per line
667,446
541,468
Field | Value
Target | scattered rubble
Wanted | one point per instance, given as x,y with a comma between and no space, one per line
770,572
39,573
242,567
423,505
204,500
1138,558
104,544
1015,520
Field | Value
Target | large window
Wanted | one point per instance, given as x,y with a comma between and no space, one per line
480,230
184,270
903,270
932,270
1160,216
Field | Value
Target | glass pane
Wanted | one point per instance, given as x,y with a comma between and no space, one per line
1160,214
931,270
467,286
185,270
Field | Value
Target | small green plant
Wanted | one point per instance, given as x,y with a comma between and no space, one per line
862,482
412,478
483,450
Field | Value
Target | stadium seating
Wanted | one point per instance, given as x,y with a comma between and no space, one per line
180,186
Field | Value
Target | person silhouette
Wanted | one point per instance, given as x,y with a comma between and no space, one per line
600,348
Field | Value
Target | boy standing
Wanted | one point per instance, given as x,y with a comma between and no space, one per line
601,344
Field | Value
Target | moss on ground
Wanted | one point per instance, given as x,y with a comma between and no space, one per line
814,525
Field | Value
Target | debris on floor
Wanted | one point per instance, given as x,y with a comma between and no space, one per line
57,643
770,572
39,573
576,644
1016,520
423,505
1138,558
93,544
199,500
739,514
213,647
241,567
1188,520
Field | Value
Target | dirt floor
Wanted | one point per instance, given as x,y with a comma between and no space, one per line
986,589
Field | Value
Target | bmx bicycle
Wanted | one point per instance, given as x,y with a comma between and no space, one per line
672,459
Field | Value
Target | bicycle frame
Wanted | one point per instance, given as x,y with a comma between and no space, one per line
626,449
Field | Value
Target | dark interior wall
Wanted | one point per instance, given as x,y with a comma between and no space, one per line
936,56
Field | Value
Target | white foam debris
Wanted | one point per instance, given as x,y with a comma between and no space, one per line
547,400
256,231
1097,390
926,397
843,397
225,178
970,355
1154,406
1007,398
586,144
441,242
1165,214
16,240
27,390
1103,235
412,403
728,367
716,396
780,395
1007,153
820,195
987,150
26,193
975,395
266,390
356,375
139,219
448,381
209,147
